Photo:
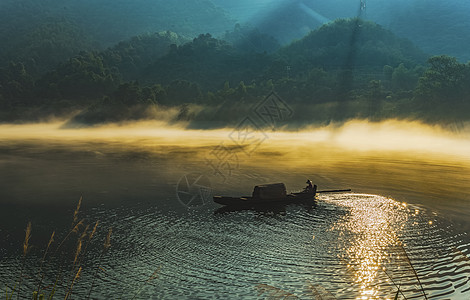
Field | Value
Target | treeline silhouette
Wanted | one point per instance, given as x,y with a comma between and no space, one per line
349,68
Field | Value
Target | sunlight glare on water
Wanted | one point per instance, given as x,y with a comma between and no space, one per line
384,250
373,225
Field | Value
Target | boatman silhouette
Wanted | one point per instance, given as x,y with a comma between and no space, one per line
309,186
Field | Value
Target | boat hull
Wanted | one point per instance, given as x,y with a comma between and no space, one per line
302,197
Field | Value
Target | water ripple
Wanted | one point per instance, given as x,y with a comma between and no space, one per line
352,246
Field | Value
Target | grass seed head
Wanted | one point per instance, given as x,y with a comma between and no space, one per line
107,242
94,230
77,210
26,246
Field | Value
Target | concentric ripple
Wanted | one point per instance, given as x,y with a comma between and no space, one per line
349,246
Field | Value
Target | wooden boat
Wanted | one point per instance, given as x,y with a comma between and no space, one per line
272,194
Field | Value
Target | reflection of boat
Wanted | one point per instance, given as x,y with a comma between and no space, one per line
272,194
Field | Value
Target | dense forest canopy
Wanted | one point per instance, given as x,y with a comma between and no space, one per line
43,33
51,31
57,63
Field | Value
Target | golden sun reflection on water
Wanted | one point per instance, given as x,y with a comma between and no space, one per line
371,232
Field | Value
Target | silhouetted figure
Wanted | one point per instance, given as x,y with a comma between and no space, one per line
309,186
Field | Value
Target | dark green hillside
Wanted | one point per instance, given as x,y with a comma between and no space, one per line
346,44
346,69
40,34
130,57
42,44
208,62
349,44
251,40
94,74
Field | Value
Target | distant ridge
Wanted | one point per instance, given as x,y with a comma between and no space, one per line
352,43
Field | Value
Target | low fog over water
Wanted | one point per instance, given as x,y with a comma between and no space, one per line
409,160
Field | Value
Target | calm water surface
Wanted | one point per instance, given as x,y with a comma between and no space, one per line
408,212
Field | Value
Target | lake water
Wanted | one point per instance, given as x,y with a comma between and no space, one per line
152,184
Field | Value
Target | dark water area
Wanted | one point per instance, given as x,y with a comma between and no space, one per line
407,210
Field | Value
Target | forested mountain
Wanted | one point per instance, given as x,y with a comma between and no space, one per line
94,74
207,61
351,44
349,61
43,33
41,44
210,62
40,34
436,26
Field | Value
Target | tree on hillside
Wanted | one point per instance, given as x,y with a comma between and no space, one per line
16,84
404,79
84,76
445,81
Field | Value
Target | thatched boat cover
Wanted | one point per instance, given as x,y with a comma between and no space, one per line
270,191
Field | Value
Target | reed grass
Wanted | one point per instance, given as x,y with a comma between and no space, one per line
75,278
84,239
40,274
106,246
77,211
399,291
26,248
397,294
414,270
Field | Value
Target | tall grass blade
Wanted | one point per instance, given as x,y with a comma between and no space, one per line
75,229
12,292
106,245
26,248
151,277
396,295
414,271
69,292
107,242
41,275
393,282
94,230
77,252
54,289
77,210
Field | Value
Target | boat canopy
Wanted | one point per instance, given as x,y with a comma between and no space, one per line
270,191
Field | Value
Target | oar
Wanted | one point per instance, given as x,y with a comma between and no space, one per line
334,191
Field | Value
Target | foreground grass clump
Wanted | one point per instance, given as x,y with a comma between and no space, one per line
69,266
